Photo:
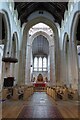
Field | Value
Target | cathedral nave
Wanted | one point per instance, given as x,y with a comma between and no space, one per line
39,59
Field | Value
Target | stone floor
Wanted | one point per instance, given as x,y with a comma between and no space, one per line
40,105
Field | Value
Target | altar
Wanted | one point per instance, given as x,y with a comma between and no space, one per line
39,85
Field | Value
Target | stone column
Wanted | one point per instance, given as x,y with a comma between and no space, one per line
63,68
28,64
74,66
52,65
42,63
31,67
48,68
57,59
22,61
69,75
6,53
79,71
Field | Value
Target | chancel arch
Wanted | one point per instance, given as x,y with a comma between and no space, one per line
43,33
48,22
50,50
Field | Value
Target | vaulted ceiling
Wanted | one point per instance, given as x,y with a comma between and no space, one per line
57,9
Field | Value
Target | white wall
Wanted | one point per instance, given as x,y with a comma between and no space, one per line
68,18
14,22
7,8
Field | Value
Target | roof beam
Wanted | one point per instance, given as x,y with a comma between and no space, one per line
57,9
28,10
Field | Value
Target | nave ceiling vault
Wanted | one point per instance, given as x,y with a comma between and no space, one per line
57,9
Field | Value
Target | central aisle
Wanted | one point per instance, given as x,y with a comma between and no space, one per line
39,105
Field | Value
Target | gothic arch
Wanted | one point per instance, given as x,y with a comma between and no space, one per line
66,59
37,20
74,56
49,38
51,46
7,38
65,41
51,24
74,26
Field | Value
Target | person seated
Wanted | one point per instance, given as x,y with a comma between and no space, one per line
20,92
61,91
10,93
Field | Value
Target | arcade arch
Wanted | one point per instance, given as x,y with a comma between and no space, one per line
51,56
56,38
5,36
74,41
51,43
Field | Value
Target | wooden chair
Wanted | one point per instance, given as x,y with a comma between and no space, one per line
54,94
65,94
15,94
4,93
26,94
75,95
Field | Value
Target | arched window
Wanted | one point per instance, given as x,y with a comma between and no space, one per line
40,64
44,64
35,63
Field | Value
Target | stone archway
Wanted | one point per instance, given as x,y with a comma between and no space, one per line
66,61
6,35
30,57
51,57
24,42
74,57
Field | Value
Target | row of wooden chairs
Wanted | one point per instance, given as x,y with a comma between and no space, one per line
27,91
62,93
